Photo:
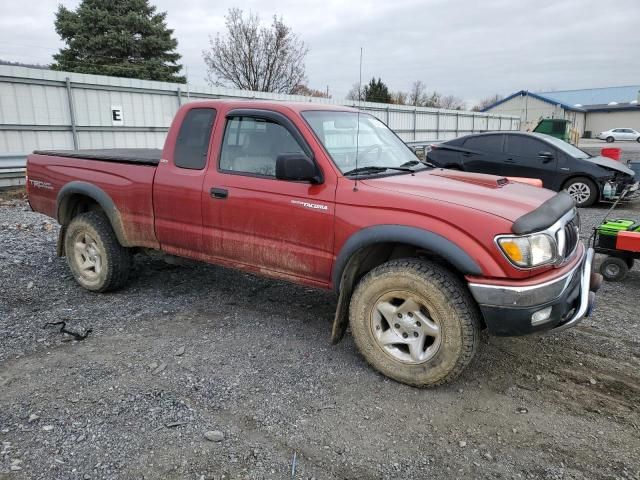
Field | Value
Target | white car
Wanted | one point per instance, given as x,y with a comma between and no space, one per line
619,134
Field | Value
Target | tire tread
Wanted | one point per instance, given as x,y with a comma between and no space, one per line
119,258
459,297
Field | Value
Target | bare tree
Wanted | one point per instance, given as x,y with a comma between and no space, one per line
254,57
432,100
309,92
356,93
451,102
399,97
417,94
487,102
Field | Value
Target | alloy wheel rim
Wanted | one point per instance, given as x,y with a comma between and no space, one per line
88,256
579,191
404,329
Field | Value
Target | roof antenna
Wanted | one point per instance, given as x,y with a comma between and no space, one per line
355,184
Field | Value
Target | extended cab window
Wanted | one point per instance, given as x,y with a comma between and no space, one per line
487,143
193,139
252,145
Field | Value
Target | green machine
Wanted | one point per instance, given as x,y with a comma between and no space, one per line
556,127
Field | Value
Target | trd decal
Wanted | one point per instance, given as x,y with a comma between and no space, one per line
40,184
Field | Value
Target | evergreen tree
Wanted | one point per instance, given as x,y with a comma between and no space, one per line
377,91
123,38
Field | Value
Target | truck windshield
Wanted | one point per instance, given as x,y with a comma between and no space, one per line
348,136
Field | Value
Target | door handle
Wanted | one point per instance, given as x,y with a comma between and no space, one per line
509,160
219,193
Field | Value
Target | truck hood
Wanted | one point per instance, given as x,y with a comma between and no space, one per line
488,193
611,164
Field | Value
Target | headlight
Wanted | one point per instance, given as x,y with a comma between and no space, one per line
528,251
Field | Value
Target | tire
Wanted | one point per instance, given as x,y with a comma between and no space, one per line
610,139
630,262
583,190
614,269
638,139
425,295
95,257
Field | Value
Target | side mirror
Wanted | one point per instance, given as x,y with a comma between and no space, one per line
297,167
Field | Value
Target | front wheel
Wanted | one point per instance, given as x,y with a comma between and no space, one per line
583,191
414,322
95,257
610,139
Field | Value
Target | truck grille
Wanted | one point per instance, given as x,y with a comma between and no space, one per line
571,233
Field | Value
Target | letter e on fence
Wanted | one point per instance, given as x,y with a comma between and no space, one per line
116,115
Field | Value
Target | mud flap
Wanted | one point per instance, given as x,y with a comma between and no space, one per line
341,320
60,244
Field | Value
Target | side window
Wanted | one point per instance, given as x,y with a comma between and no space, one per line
486,143
193,139
252,145
525,146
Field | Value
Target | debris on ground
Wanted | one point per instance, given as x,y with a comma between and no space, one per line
63,329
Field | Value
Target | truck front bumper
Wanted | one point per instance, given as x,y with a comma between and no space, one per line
556,304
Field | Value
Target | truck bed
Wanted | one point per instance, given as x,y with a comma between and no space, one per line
138,156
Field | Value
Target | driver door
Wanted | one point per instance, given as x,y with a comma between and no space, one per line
282,228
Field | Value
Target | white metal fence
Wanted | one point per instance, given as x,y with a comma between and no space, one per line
46,109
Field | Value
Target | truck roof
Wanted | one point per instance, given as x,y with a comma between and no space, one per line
257,103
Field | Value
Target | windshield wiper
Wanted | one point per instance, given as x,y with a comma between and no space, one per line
376,169
411,163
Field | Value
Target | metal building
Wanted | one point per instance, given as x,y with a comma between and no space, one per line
590,111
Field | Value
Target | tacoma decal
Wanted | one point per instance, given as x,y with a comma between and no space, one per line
313,206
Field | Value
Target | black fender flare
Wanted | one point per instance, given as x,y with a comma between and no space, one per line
423,239
101,198
380,234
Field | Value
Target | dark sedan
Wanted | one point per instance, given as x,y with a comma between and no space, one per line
558,164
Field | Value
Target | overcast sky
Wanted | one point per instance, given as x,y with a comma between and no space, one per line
469,48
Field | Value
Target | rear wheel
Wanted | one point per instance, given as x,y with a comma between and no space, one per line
95,257
583,191
610,139
414,322
614,269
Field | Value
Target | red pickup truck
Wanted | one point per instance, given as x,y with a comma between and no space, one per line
421,258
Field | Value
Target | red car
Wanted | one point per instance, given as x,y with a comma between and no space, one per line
420,258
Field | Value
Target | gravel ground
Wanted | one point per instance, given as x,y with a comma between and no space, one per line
200,372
